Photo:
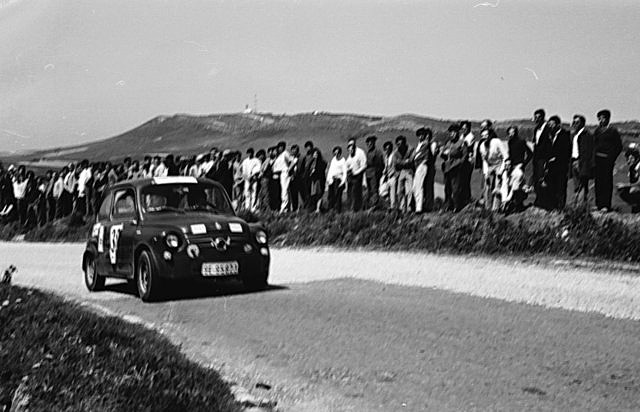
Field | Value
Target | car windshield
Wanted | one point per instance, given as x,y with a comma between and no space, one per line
184,197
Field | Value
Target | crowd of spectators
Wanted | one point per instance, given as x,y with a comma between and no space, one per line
398,177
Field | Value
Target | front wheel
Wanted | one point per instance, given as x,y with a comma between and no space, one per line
92,279
147,280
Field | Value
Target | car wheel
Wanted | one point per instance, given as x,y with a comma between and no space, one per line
92,279
147,280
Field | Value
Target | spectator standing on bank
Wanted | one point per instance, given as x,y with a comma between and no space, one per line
403,163
558,164
582,159
317,180
304,166
281,167
373,173
84,180
519,155
454,155
51,178
389,178
356,166
541,154
607,147
298,178
336,179
251,167
421,158
468,165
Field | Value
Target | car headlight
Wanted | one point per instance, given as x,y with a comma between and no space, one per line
172,240
261,237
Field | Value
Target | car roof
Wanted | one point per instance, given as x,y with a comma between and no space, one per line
139,183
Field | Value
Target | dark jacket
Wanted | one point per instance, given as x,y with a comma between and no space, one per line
519,152
560,154
607,143
375,163
586,161
542,148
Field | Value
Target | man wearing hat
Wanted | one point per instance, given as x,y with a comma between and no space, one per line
607,147
373,173
541,142
630,192
558,165
454,156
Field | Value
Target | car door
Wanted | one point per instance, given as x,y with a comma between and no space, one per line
124,223
101,229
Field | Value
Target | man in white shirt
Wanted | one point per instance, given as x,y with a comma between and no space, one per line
281,166
160,169
251,167
83,180
494,153
356,165
336,179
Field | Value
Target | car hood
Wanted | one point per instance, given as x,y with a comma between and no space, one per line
192,223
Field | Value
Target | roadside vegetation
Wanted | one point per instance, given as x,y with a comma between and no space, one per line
65,358
572,233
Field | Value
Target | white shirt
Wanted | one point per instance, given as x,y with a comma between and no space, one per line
337,170
494,156
539,131
84,177
575,151
282,162
20,188
468,139
160,171
358,162
250,167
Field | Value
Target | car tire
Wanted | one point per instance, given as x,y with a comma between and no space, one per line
148,282
92,279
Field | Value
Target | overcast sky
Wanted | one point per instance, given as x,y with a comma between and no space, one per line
79,70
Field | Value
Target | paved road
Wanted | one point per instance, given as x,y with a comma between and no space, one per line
386,331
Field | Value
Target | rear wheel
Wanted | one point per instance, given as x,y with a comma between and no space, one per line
148,283
92,279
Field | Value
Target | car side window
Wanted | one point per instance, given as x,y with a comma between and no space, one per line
105,207
124,205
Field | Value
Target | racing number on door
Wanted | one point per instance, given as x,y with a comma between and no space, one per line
114,238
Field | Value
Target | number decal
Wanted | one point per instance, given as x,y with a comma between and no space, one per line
101,239
114,237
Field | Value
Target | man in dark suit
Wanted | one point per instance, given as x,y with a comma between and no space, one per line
607,148
582,162
558,164
541,154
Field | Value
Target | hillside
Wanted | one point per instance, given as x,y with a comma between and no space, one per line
185,134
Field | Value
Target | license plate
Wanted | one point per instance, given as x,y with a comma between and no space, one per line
220,269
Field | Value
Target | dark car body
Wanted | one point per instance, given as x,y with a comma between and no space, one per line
130,237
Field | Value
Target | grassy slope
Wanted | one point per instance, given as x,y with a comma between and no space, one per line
77,360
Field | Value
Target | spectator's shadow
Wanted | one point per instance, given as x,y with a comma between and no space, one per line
193,290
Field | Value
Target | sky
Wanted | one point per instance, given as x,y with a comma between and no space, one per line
73,71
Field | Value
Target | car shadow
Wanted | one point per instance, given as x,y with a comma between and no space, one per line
193,290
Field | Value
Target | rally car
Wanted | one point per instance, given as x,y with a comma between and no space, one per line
154,231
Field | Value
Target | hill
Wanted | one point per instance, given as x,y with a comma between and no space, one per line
186,134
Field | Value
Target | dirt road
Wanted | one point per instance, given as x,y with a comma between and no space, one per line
360,331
